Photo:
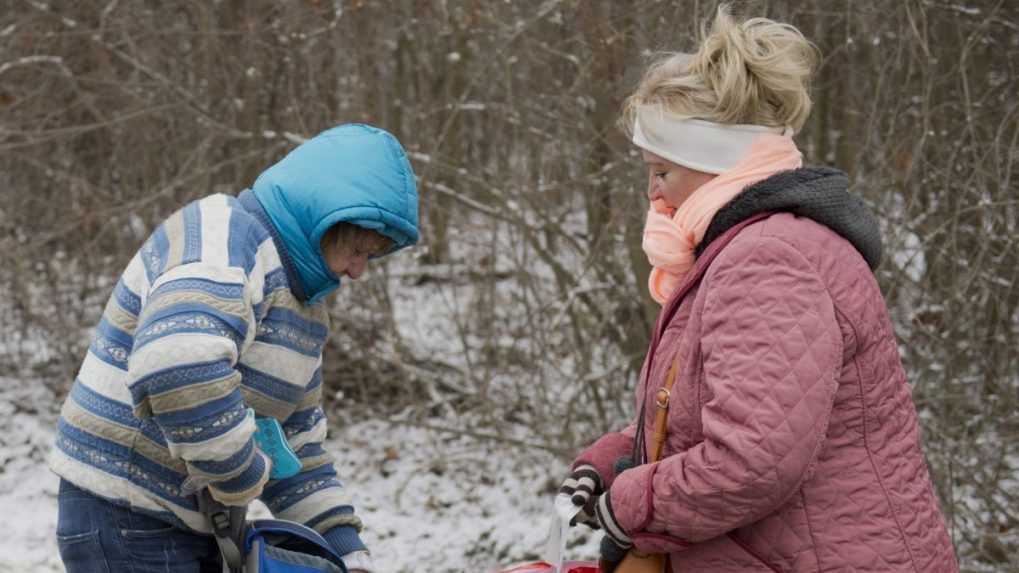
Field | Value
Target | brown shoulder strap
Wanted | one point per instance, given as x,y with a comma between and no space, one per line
662,398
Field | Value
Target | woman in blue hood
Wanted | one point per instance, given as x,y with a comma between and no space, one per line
215,323
351,174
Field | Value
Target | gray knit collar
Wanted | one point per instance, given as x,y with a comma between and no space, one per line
817,193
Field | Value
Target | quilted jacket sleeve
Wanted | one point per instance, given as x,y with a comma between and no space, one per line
771,351
606,451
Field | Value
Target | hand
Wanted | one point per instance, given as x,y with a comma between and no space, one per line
598,514
358,562
583,485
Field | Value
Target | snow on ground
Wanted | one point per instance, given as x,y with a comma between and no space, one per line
431,500
440,502
28,491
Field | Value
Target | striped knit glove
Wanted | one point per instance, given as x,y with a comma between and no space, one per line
597,514
607,520
583,485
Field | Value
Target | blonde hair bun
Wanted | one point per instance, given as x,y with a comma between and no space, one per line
756,71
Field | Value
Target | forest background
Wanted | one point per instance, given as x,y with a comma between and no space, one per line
522,319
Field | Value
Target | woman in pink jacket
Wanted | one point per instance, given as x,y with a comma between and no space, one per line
792,440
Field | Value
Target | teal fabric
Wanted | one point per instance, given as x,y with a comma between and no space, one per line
352,173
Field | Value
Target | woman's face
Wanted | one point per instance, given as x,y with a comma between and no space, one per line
348,255
344,261
671,183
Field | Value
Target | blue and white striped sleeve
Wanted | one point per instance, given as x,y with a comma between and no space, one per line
195,318
315,496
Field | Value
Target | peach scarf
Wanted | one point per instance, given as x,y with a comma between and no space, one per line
670,238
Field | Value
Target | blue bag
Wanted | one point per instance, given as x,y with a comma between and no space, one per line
277,546
267,545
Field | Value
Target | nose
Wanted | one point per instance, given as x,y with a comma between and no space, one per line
356,266
652,188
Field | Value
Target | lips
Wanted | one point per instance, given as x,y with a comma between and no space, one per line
662,208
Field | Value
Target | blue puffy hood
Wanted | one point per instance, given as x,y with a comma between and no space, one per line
352,173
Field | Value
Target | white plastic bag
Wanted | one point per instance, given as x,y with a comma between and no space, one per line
555,547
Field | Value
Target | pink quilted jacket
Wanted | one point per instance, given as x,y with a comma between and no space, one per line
792,437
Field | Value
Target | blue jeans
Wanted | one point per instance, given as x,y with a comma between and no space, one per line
97,536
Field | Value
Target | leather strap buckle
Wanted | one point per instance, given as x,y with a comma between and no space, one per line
662,398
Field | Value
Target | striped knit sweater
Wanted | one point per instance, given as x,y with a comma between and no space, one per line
202,325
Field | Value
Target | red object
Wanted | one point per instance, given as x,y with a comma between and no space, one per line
544,566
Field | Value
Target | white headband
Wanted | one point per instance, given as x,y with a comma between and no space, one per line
696,143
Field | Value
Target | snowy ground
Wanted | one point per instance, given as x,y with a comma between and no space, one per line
432,501
27,489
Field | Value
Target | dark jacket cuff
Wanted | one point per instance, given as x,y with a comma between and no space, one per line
344,539
611,551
